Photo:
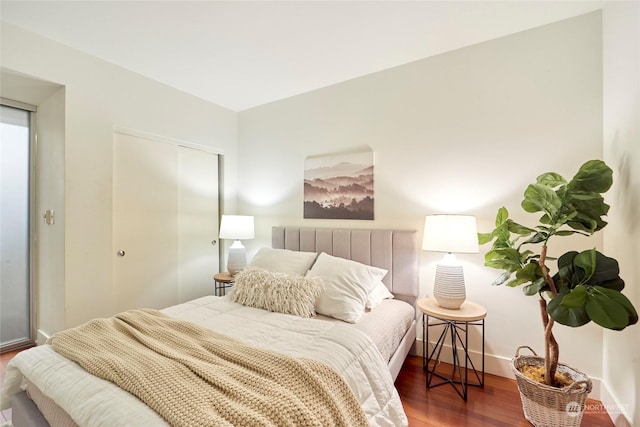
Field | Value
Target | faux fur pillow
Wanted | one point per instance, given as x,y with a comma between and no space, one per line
279,292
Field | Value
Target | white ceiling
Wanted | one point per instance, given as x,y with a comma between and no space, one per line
241,54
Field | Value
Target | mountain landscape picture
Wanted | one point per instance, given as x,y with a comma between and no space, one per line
339,186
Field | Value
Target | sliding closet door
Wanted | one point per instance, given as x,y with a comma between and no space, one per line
197,222
165,218
16,225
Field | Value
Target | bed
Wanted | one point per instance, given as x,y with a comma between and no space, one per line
366,351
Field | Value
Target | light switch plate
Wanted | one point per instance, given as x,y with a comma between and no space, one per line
49,217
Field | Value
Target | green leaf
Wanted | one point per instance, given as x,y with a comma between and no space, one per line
504,253
566,215
616,284
538,198
527,256
544,219
567,258
535,287
585,196
586,260
503,264
551,179
575,298
516,228
530,273
484,238
620,298
536,238
573,317
502,216
623,301
565,232
610,309
584,223
517,282
502,235
502,279
587,214
606,271
593,176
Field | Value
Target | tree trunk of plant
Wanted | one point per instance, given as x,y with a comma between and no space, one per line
551,348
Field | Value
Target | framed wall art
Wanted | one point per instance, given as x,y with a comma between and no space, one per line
339,186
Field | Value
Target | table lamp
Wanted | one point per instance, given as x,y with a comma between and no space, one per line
450,233
236,227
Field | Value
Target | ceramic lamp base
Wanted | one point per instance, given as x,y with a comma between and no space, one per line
448,288
237,258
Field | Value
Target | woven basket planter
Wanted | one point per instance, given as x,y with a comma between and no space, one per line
546,406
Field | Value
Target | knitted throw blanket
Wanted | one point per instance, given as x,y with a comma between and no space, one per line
192,376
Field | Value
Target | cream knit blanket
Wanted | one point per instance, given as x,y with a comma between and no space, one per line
192,376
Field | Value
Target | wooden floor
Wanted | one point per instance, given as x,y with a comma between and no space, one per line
496,404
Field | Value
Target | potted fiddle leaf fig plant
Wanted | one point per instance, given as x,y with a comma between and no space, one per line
583,287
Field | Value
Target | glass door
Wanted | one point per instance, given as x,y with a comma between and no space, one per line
16,224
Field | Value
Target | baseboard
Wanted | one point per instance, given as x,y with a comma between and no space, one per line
501,366
41,337
616,411
493,364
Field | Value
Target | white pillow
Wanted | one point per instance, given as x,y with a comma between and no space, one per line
283,261
379,293
347,285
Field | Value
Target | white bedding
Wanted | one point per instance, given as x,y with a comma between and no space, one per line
93,402
387,325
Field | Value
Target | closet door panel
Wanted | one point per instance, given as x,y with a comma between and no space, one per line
198,222
145,215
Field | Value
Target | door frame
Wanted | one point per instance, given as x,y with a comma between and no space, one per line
160,138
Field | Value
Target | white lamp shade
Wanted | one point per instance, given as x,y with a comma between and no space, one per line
237,227
450,233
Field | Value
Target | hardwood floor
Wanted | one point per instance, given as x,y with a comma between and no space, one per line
497,404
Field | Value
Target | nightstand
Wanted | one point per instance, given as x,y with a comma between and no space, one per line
456,331
223,281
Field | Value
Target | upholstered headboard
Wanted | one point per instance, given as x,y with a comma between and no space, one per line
394,250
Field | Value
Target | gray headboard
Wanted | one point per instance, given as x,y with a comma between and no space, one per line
394,250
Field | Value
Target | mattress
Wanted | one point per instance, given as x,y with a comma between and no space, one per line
343,347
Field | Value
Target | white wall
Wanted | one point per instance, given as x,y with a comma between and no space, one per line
99,96
462,132
621,39
50,195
